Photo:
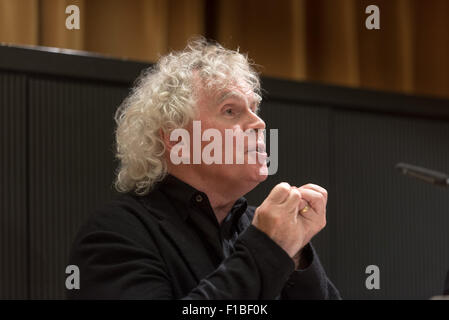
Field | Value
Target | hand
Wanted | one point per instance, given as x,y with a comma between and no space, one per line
278,215
314,219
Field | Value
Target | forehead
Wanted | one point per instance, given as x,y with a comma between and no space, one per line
239,93
230,94
238,90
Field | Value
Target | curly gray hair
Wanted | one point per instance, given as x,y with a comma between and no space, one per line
164,99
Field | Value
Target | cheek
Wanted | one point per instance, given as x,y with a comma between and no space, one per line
217,125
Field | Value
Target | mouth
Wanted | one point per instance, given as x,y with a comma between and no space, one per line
259,148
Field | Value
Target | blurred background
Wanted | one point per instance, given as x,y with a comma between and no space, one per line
315,40
349,104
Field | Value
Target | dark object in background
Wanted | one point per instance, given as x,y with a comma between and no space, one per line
427,175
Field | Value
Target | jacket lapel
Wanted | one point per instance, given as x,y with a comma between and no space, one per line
180,234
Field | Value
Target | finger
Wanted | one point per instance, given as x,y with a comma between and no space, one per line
315,199
303,203
311,215
292,202
279,193
317,218
316,188
306,210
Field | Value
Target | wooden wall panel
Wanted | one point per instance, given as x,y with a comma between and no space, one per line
432,47
386,55
273,35
313,40
19,21
332,42
53,31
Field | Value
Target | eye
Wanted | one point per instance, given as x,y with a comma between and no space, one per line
229,111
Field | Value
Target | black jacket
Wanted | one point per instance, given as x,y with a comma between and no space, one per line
148,248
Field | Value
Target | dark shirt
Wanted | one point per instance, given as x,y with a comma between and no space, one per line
169,245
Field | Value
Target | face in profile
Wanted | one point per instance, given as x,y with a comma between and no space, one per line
226,137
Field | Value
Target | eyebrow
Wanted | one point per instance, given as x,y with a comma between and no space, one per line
238,95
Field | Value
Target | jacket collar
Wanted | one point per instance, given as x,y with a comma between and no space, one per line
170,202
178,232
183,197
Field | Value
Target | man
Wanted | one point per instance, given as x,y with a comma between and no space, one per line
182,229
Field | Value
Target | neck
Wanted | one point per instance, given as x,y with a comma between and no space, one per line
220,197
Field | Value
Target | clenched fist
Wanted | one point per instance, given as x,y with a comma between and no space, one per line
291,216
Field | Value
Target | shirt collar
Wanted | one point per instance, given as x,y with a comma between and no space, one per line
184,197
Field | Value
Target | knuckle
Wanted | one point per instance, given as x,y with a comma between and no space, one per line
296,195
283,187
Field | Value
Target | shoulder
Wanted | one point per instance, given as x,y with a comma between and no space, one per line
125,216
124,208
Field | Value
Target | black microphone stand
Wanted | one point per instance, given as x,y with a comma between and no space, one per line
432,177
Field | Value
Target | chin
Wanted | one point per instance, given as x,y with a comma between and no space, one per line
243,178
253,179
258,170
257,174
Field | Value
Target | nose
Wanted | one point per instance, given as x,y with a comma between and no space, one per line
256,122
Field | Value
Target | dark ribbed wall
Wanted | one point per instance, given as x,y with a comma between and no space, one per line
57,166
375,215
57,159
395,222
13,187
71,166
